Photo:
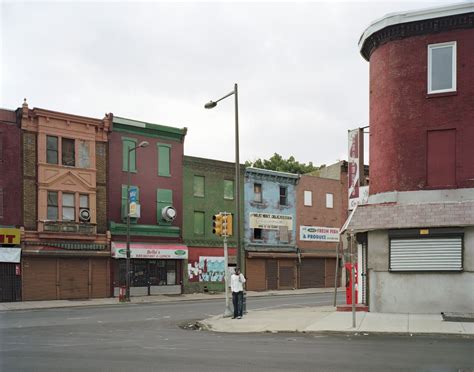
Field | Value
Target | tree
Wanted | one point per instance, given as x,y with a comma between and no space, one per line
277,163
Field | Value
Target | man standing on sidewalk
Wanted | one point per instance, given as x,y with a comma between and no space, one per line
236,284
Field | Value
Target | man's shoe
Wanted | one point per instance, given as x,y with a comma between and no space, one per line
239,317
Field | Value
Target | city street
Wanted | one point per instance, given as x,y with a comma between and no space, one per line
150,337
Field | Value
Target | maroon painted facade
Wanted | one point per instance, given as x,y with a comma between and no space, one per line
10,169
403,116
146,177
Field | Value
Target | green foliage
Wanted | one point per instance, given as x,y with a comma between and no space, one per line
277,163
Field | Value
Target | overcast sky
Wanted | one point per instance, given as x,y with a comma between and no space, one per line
302,82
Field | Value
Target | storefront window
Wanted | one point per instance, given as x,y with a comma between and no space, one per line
148,272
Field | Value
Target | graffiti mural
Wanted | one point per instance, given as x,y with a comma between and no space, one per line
207,269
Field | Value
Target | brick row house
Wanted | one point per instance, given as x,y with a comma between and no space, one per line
10,206
65,250
156,230
417,230
209,188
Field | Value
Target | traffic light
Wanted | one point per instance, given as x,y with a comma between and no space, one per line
217,224
227,224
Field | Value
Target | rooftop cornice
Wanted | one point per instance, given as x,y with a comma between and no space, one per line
401,25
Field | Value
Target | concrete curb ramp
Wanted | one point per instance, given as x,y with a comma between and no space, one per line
326,319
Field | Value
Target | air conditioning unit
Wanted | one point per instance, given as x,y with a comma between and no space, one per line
168,213
84,215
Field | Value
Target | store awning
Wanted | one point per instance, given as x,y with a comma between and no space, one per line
150,251
10,255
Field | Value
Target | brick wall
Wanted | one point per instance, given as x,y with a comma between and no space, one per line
401,113
29,181
101,195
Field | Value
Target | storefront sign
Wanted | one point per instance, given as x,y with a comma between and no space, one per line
270,221
150,251
319,234
10,255
9,236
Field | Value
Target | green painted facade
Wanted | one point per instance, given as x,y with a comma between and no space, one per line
207,192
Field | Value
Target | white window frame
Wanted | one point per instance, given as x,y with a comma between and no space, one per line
308,198
453,71
329,200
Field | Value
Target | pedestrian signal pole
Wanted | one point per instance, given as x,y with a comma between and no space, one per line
222,227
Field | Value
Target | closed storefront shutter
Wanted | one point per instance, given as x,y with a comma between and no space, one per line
73,278
100,278
272,274
286,270
312,273
255,274
39,278
437,254
330,272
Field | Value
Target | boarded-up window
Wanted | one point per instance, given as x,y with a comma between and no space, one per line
441,158
198,186
308,198
257,191
127,145
164,198
199,223
229,189
164,152
84,158
329,201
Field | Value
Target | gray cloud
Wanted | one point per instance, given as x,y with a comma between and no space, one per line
302,82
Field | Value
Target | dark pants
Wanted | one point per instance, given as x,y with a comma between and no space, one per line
238,302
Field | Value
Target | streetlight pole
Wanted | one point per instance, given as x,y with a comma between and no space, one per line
127,262
210,105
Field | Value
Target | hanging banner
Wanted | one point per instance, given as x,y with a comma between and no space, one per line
133,201
355,166
270,221
10,255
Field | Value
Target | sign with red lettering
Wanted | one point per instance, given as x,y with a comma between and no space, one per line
9,236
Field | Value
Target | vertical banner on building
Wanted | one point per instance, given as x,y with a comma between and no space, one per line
133,200
355,165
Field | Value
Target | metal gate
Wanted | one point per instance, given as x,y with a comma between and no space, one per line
10,282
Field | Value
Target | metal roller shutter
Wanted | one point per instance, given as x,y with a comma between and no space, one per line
430,254
272,274
312,273
100,278
286,275
73,278
330,272
39,278
255,270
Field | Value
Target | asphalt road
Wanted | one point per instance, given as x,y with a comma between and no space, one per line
147,337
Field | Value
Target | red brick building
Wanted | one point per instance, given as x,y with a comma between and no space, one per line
321,210
10,206
418,228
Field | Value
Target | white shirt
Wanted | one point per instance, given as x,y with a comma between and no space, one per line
236,282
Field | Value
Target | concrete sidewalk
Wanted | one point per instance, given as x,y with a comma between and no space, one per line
31,305
327,319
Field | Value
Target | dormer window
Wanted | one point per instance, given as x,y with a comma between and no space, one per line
442,67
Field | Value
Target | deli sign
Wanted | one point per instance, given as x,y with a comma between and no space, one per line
319,234
9,236
150,251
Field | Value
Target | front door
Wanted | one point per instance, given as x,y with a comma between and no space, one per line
10,283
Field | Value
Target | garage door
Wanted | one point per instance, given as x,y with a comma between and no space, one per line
39,278
255,270
73,278
271,268
100,278
330,272
312,273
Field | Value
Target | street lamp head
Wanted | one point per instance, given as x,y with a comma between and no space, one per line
143,144
210,104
